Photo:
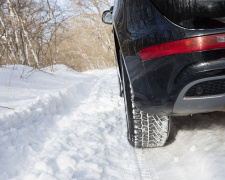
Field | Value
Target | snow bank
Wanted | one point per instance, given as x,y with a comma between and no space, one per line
66,125
28,94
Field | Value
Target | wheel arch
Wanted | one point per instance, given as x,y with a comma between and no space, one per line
117,50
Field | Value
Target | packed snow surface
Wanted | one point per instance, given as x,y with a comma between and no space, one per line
70,125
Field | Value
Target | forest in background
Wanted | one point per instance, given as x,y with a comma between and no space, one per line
41,33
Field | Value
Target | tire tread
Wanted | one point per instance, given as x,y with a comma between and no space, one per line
149,130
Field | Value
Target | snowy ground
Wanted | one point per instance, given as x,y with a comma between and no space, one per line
70,125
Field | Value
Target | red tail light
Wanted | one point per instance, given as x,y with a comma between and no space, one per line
202,43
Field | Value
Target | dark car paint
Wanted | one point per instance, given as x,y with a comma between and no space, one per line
138,24
196,14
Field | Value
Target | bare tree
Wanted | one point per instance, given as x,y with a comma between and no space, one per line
38,33
87,41
28,30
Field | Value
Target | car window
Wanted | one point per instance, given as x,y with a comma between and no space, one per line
197,14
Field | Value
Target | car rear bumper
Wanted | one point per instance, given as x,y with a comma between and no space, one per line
186,105
197,104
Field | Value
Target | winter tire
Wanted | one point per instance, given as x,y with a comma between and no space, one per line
143,129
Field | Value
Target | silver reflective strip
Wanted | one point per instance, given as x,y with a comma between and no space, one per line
220,39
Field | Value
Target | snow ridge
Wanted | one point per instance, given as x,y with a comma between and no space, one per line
43,106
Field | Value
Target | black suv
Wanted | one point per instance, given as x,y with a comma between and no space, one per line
171,61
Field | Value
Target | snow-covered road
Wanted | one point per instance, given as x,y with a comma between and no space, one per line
198,151
70,125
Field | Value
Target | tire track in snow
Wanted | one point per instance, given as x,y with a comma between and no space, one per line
145,172
158,164
105,91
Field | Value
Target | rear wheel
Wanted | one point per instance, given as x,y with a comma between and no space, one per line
143,129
